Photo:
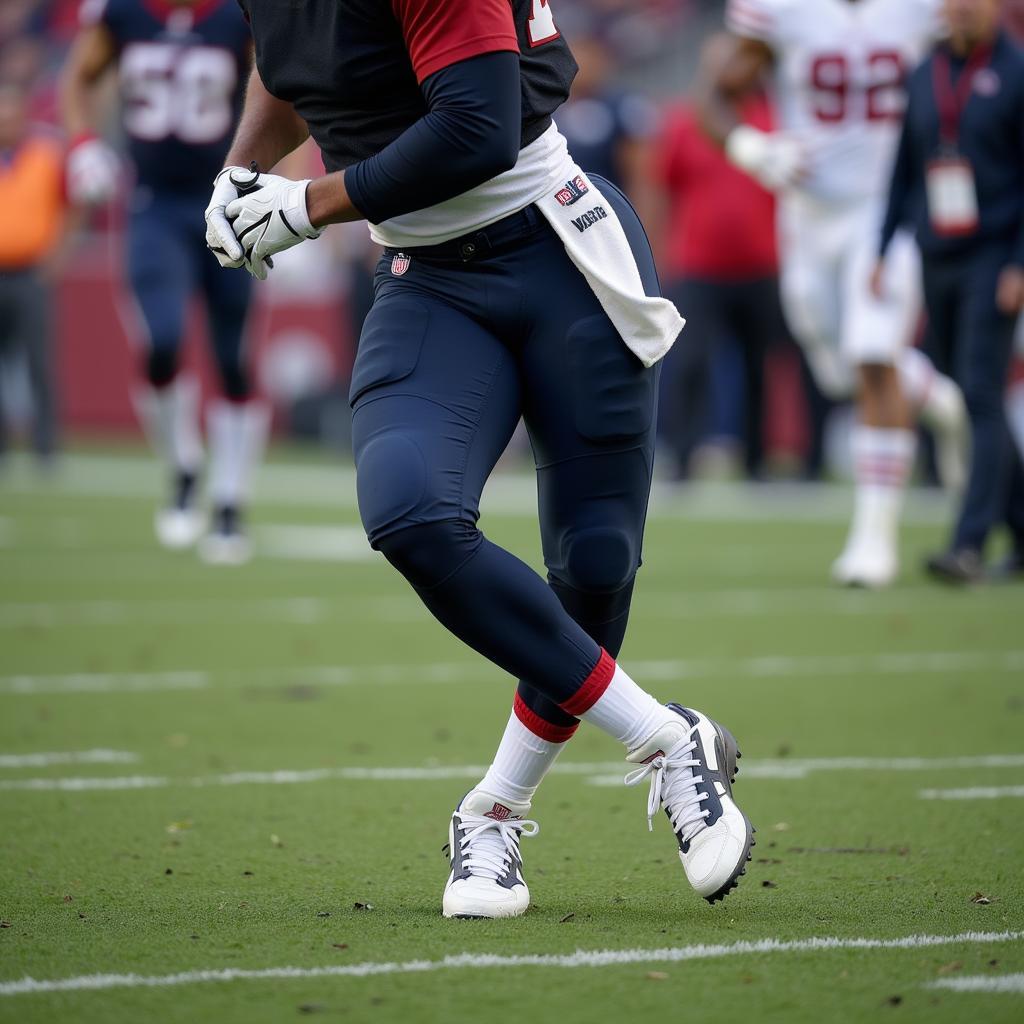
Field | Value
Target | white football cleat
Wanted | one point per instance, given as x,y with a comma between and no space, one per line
486,879
692,765
871,564
226,543
178,528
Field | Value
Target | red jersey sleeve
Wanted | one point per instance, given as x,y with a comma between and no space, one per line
443,32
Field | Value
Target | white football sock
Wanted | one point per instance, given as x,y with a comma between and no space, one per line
935,396
170,418
520,763
627,712
882,461
238,432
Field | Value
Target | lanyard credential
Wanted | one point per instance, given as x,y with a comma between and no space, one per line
952,99
949,180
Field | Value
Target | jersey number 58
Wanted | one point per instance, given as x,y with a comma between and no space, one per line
170,90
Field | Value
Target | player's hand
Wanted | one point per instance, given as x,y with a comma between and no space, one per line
93,172
772,158
877,280
220,239
1010,290
269,219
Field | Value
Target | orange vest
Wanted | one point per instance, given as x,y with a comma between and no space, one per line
31,202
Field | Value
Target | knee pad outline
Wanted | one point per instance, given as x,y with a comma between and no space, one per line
600,559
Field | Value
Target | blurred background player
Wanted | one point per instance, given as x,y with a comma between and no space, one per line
33,215
608,127
181,67
717,255
837,71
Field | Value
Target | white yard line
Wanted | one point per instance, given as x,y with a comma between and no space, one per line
982,983
597,773
78,785
882,663
287,610
42,760
801,768
973,793
477,961
431,673
650,604
104,682
308,543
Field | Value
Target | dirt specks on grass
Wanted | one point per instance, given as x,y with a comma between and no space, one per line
900,851
981,899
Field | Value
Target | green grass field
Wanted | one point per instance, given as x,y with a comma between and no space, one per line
276,749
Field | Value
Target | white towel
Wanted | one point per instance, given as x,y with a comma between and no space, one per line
593,237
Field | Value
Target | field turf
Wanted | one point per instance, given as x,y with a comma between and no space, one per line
252,769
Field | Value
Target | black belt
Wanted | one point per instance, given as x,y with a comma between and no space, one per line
478,244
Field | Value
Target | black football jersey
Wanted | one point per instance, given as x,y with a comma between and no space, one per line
352,68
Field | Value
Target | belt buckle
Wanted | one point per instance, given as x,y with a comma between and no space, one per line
475,246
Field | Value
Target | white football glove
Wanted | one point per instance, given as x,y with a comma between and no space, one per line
269,218
93,172
775,160
220,239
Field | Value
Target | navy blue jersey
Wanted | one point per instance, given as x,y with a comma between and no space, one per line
353,68
182,69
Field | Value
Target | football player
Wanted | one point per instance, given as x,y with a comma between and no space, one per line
512,283
181,68
837,68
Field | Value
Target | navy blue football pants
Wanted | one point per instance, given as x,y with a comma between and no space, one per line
969,338
474,334
168,261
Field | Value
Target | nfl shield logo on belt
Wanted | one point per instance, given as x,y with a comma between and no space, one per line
399,264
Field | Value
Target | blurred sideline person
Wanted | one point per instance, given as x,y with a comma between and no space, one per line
718,258
609,129
33,226
958,180
181,67
838,70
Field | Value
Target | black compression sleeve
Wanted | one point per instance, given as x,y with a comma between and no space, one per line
470,133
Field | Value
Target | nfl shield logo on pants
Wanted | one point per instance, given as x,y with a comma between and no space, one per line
399,264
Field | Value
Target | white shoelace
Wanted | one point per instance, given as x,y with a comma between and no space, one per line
489,846
674,784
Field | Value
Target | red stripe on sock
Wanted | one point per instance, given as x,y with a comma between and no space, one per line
540,727
593,686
